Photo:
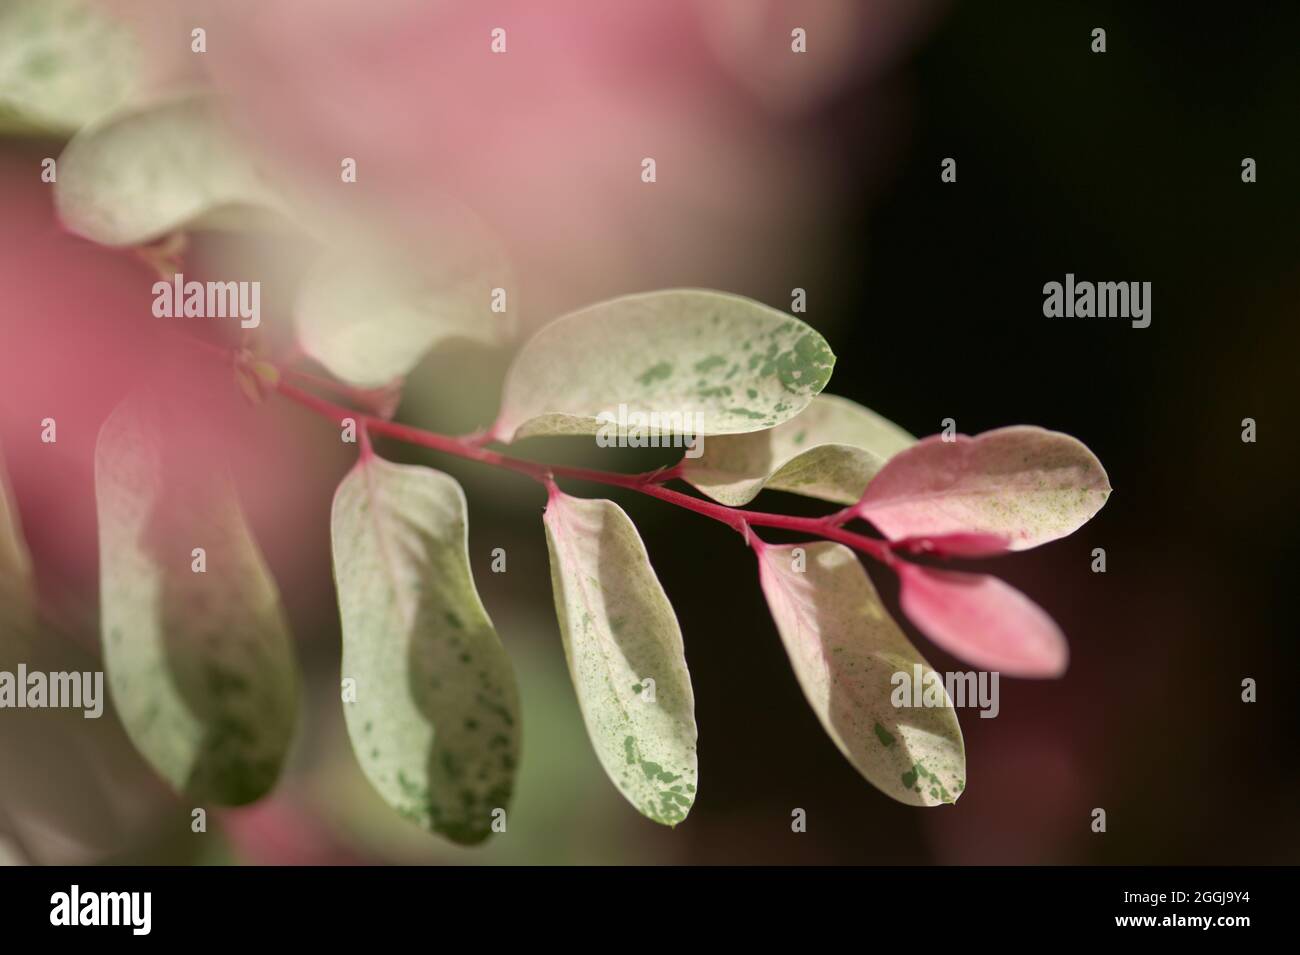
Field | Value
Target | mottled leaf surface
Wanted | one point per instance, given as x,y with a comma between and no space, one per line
620,630
200,665
63,63
740,365
1026,484
983,620
146,173
436,723
845,650
830,450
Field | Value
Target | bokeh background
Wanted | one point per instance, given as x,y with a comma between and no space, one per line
775,171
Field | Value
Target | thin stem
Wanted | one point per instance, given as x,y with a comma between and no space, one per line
367,449
651,484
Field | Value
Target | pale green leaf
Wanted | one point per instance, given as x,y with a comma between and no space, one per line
143,174
371,322
435,723
200,665
620,632
845,650
63,63
731,364
830,450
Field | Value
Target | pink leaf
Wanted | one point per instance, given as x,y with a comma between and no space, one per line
1026,484
983,620
953,545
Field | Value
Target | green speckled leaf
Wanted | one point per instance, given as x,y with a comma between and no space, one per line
736,363
619,631
830,450
152,171
435,724
200,665
63,63
370,323
845,650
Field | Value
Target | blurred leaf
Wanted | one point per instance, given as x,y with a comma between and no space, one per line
620,632
435,724
845,650
983,620
1024,483
78,788
16,587
735,363
63,63
61,806
200,665
371,323
830,450
144,174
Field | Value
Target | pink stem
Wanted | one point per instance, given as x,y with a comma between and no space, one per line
650,484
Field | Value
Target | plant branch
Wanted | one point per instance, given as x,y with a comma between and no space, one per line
650,484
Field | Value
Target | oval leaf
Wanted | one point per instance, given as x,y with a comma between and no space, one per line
200,665
983,621
149,172
730,363
846,651
619,632
1026,484
435,722
63,63
830,450
372,323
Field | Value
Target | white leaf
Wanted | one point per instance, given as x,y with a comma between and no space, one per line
619,630
435,722
848,655
702,362
370,323
143,174
200,665
830,450
63,63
